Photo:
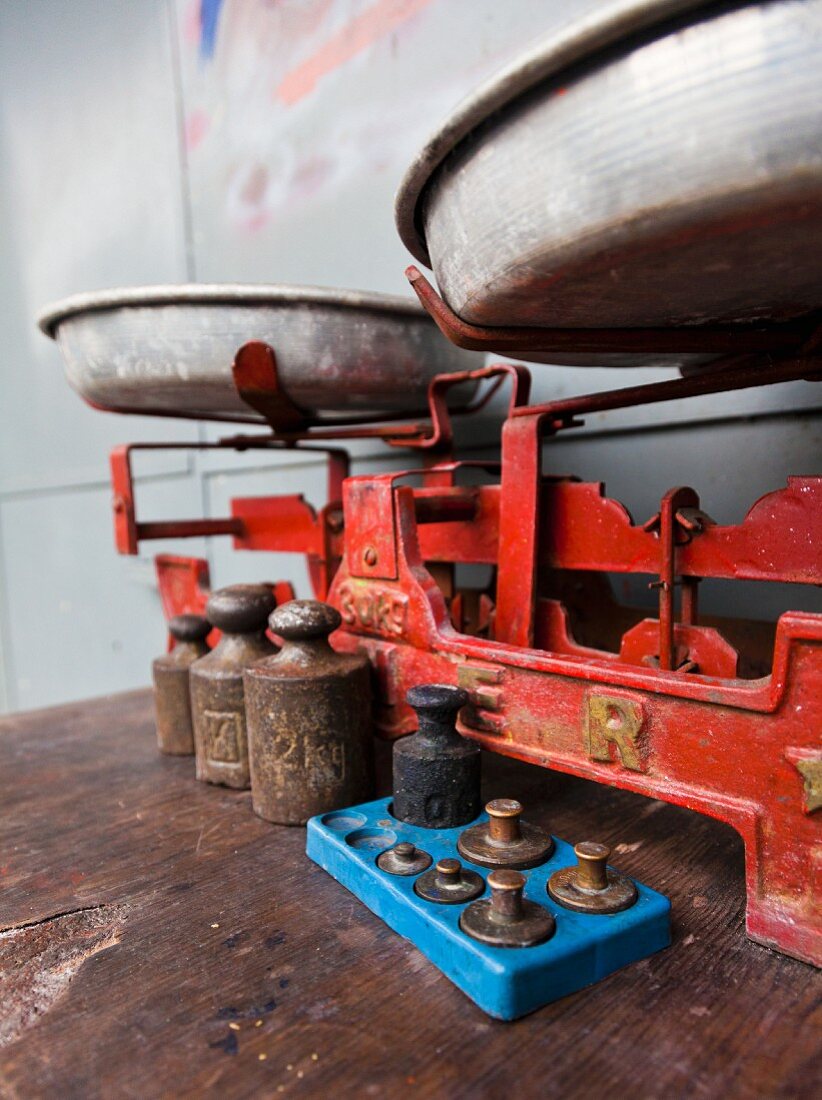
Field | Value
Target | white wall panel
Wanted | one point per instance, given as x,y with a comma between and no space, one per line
91,197
82,621
252,141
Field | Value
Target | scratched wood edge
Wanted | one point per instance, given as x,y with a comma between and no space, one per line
231,966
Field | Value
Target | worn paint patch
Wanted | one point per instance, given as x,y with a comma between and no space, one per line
375,23
209,22
190,24
196,128
38,961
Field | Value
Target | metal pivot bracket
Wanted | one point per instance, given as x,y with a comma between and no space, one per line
257,382
676,522
792,337
129,531
440,435
520,502
254,371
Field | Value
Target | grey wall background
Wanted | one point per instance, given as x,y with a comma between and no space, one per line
254,141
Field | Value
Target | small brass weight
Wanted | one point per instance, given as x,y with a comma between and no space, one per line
309,720
506,919
591,886
505,840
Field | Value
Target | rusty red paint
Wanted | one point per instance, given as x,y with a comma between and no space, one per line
719,747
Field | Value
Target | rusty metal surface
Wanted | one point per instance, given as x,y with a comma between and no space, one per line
591,886
506,919
170,673
309,720
404,859
696,349
436,772
170,349
449,883
505,840
217,700
673,180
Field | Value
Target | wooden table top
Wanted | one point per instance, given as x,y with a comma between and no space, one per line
159,939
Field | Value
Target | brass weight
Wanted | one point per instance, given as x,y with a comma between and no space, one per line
504,840
507,919
309,720
592,886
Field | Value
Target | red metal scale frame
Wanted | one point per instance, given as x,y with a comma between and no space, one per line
663,709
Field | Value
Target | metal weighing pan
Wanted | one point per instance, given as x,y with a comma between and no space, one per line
169,349
651,163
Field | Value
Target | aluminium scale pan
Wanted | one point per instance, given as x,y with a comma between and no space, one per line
168,350
648,164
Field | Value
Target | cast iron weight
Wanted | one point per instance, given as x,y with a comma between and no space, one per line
449,883
506,919
172,701
217,699
404,859
309,720
436,771
504,840
591,886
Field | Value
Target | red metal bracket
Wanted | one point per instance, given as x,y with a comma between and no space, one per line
257,382
566,413
666,523
184,586
520,491
128,530
255,376
440,436
788,337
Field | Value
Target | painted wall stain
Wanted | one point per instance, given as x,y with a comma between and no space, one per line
209,22
191,23
310,175
375,23
196,128
248,197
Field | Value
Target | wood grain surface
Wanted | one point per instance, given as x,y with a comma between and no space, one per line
158,939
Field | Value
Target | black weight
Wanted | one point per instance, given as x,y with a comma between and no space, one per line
436,771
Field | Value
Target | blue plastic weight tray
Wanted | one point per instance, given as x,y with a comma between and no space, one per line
506,982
